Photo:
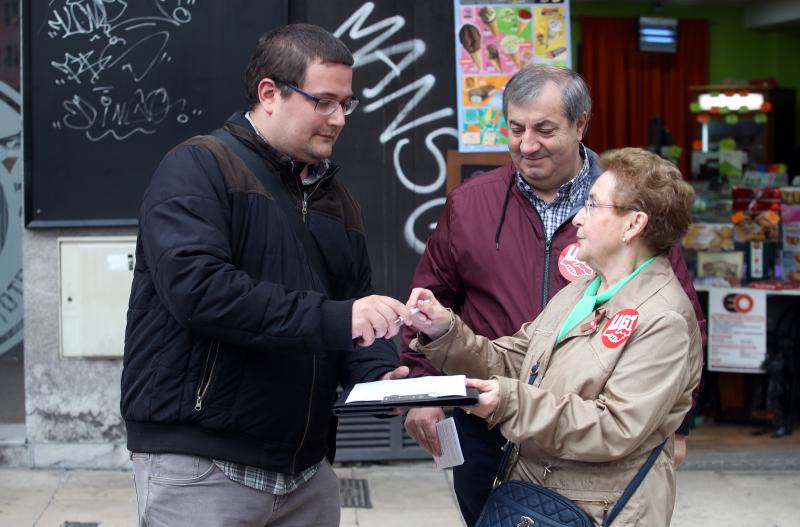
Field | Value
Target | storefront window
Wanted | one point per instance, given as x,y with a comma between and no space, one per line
747,133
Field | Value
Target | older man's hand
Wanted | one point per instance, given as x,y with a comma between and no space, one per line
680,449
400,372
421,426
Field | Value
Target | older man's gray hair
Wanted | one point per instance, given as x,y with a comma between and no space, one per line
529,82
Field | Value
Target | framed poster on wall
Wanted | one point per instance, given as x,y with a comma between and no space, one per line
463,166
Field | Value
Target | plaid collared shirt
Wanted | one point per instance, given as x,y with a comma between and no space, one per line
570,195
264,480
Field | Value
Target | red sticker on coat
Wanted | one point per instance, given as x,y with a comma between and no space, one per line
571,268
620,327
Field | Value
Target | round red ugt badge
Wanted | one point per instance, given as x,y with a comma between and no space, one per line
619,328
570,267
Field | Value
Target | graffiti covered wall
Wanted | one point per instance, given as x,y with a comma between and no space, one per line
12,405
393,150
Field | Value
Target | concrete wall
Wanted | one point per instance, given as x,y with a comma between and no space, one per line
72,405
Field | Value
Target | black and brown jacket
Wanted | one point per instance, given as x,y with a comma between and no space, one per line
232,349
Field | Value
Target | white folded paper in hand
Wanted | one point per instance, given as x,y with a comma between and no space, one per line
433,386
451,447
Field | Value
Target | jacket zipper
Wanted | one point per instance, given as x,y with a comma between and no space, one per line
547,470
606,505
546,283
293,468
306,195
304,213
205,378
304,209
547,247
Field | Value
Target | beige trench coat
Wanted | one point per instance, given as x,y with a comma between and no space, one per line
601,402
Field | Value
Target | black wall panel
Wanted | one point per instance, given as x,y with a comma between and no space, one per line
109,87
394,147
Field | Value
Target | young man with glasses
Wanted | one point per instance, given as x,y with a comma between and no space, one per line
503,247
251,294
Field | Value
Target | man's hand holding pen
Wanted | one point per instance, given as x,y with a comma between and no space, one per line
374,317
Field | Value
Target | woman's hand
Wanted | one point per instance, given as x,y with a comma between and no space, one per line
433,318
487,400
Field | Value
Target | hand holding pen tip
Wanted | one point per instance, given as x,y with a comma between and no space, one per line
414,310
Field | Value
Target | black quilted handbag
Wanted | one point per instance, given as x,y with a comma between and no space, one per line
524,504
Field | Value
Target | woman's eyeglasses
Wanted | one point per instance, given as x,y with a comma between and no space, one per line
589,206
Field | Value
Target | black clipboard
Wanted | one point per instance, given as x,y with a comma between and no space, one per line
389,403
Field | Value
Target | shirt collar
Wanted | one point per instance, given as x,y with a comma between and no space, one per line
314,173
574,189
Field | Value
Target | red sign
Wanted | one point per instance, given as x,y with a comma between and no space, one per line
570,267
619,328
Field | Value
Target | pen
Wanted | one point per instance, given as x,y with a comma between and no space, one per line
414,311
400,319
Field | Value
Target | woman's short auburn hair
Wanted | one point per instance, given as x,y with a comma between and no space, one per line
648,183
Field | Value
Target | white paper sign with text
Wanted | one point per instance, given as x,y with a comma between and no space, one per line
737,330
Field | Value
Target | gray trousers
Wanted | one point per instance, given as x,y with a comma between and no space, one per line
175,490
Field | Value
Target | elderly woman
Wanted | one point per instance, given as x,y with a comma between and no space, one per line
613,358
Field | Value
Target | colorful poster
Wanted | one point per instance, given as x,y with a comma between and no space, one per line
552,29
737,330
493,41
482,111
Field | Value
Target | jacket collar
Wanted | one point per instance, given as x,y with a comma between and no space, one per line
650,280
590,170
632,295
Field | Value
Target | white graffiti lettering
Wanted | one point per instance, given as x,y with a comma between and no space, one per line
441,164
151,47
409,232
83,17
104,38
120,120
356,28
420,89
